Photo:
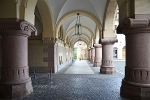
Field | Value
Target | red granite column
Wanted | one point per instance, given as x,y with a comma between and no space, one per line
98,55
107,66
92,54
136,83
15,81
89,54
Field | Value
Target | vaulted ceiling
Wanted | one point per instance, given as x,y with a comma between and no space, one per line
61,7
97,8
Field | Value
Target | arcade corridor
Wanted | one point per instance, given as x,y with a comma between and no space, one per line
78,86
46,35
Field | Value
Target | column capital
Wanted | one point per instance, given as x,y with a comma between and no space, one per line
130,25
108,41
97,45
14,26
92,48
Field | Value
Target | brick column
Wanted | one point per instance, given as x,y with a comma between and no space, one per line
107,66
15,81
92,54
98,55
136,83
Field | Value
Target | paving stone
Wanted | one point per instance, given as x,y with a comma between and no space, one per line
78,87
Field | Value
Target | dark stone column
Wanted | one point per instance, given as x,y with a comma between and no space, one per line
107,66
98,55
15,81
92,54
136,83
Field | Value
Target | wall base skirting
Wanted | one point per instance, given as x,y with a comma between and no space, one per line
44,69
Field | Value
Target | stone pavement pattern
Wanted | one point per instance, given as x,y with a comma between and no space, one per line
78,86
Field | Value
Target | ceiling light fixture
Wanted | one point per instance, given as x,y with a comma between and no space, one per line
78,30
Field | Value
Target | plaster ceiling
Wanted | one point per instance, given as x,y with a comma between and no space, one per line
85,22
83,31
60,7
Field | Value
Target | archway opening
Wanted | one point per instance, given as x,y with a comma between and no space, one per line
88,22
80,50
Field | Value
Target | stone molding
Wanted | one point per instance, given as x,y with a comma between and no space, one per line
107,62
97,45
18,73
60,41
49,40
137,75
129,26
14,26
65,45
89,48
109,41
92,48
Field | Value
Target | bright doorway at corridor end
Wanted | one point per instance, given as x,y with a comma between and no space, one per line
80,50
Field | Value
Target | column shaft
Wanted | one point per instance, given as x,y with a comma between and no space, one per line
98,55
89,54
92,54
107,66
136,84
15,81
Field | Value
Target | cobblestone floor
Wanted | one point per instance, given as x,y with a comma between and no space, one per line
78,87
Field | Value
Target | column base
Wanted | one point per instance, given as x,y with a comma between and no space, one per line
97,64
91,61
15,90
107,70
133,91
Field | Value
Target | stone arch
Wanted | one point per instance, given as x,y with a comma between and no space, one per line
109,19
67,33
27,9
97,35
82,39
47,20
27,13
133,9
38,25
82,34
85,13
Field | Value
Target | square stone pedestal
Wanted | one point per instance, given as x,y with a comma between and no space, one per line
134,91
16,90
